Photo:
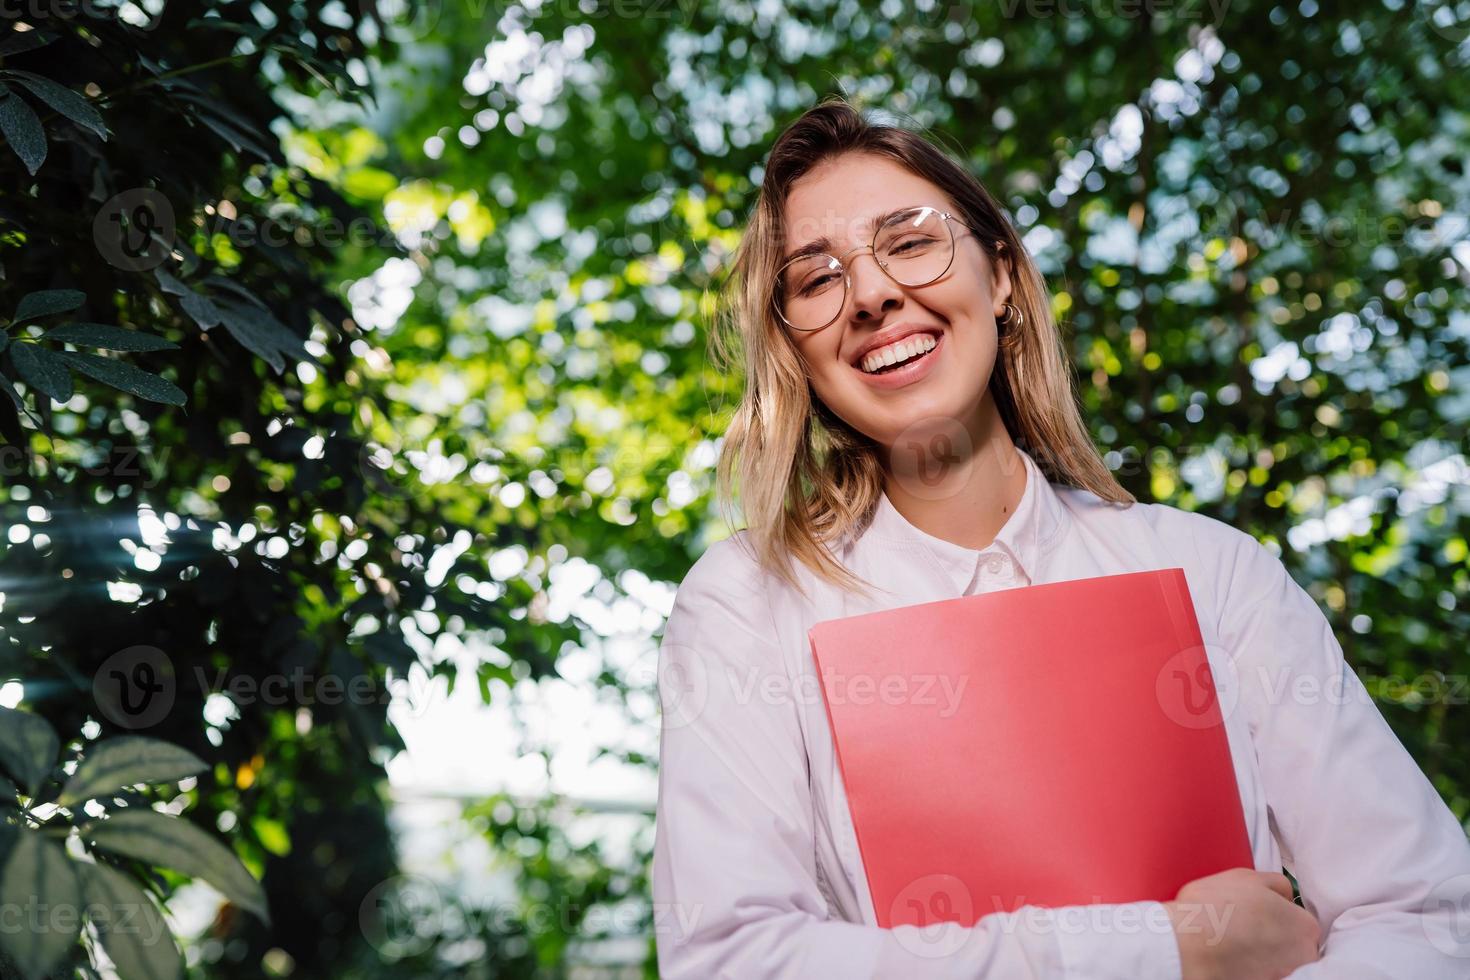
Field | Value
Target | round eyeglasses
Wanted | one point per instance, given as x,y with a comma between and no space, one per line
913,247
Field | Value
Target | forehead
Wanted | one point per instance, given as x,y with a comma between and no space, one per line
838,199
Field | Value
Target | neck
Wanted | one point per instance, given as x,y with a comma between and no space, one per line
958,484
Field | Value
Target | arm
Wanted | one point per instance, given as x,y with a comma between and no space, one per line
1382,862
735,885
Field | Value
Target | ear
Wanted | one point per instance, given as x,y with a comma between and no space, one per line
1000,276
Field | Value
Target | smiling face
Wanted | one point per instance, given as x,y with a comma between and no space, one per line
955,314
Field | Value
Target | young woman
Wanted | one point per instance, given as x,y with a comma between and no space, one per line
909,433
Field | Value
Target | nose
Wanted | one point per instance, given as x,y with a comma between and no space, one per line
873,291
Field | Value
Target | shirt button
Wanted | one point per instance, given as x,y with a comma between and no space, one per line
995,563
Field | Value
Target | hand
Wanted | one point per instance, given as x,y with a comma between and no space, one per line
1241,924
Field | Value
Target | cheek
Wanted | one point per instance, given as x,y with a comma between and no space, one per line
964,298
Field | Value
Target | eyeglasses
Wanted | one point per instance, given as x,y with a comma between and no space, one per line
913,247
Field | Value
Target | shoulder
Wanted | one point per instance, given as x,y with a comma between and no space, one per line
1237,562
727,564
724,590
1186,535
1229,565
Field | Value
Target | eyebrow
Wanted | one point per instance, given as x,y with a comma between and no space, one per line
823,245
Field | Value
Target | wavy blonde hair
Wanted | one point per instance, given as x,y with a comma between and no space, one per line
808,479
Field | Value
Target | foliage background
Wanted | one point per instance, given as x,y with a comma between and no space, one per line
1253,216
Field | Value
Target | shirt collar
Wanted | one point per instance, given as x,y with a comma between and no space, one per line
1029,529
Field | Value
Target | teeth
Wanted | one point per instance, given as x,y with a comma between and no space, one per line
905,349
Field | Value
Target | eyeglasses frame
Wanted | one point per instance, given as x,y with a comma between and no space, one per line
847,270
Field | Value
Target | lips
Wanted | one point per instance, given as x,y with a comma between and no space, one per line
910,372
890,336
909,349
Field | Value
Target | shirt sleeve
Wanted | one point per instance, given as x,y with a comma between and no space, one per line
1379,858
734,877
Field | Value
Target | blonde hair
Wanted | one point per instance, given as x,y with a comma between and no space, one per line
807,478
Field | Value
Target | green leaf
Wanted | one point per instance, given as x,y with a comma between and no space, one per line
42,369
197,305
22,130
18,42
260,332
108,338
8,793
169,842
168,283
388,647
129,924
201,308
222,111
272,835
39,877
14,395
125,377
63,100
126,760
10,427
253,31
237,140
48,301
28,748
369,183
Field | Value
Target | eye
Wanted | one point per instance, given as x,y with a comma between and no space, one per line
910,244
813,285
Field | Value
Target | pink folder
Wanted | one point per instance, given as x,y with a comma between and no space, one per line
1057,744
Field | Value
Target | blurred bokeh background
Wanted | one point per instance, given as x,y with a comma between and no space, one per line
359,425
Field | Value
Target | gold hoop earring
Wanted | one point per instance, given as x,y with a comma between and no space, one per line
1010,320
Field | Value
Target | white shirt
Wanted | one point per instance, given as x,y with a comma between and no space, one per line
756,869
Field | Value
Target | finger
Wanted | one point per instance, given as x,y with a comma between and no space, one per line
1310,926
1278,883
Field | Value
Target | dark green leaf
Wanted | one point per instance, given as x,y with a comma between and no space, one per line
261,333
231,286
170,842
201,308
28,747
388,647
11,409
197,305
43,370
38,874
125,377
45,302
223,112
253,31
17,42
129,924
14,395
63,100
22,130
168,283
238,140
124,761
108,338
